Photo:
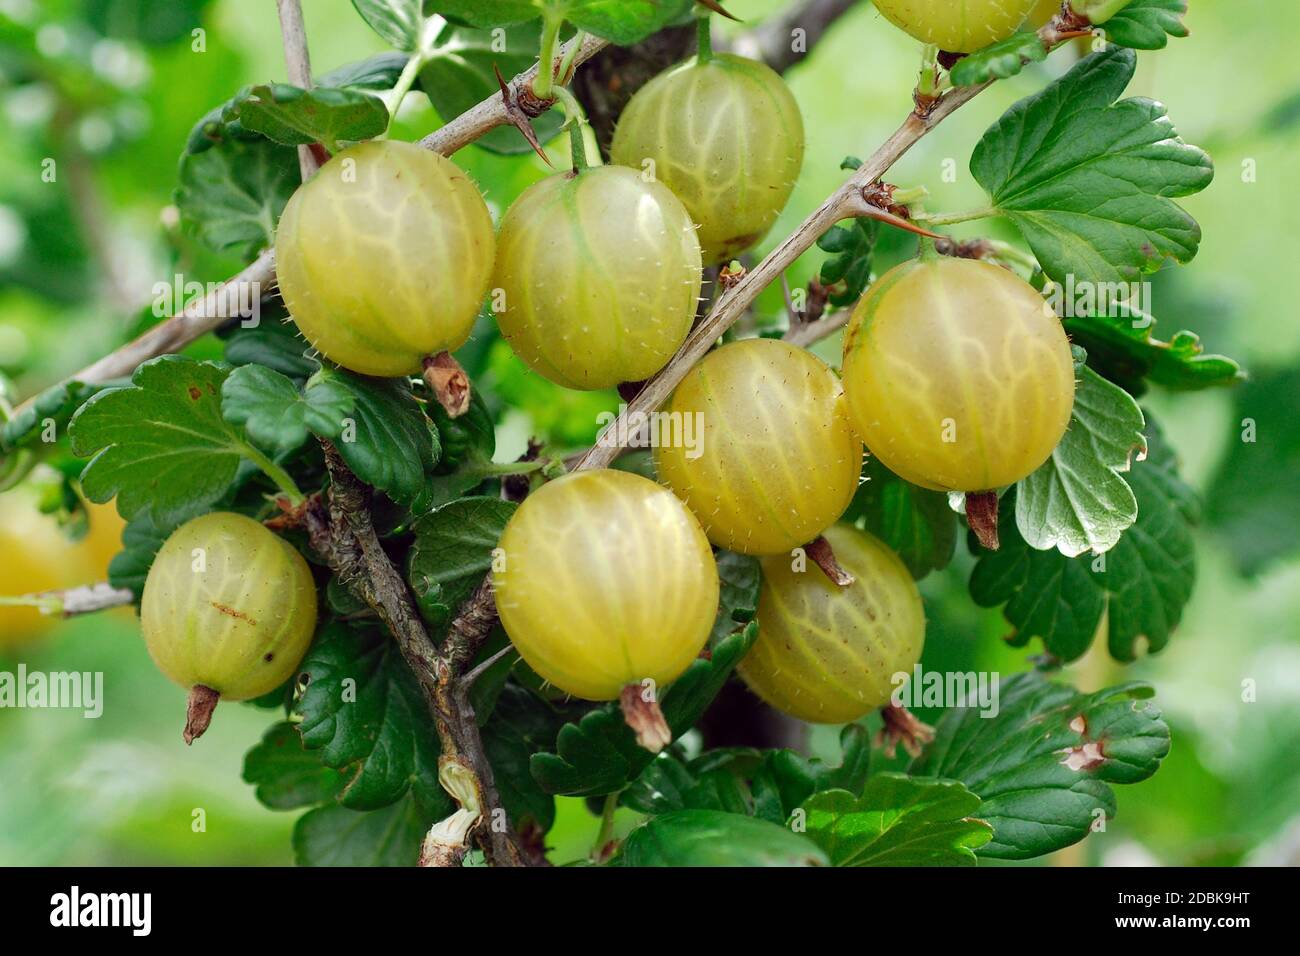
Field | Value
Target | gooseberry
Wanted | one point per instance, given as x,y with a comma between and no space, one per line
228,611
826,653
959,26
599,272
773,459
383,258
725,135
958,374
606,580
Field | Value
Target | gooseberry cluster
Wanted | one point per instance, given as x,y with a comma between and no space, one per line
955,374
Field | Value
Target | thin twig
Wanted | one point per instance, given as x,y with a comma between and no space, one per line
345,537
86,599
298,62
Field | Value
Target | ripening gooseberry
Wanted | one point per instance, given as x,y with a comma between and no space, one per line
607,581
773,459
383,258
958,374
228,611
825,653
959,26
725,135
599,271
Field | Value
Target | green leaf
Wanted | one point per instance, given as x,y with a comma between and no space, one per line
1252,497
285,774
292,116
362,710
160,445
998,60
787,778
141,539
468,438
453,552
1127,352
622,22
916,523
519,727
1089,180
898,821
459,74
1139,587
716,780
714,838
1077,501
1043,765
848,270
231,195
740,577
276,414
599,754
388,441
379,72
397,21
274,342
56,403
333,835
1148,24
488,13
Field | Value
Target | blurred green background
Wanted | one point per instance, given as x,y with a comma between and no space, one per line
111,89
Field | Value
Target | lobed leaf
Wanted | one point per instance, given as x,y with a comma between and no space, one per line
160,444
1089,181
1139,588
276,414
292,116
1148,24
398,21
599,753
363,712
287,775
452,553
898,821
1077,501
1042,766
231,194
714,838
387,440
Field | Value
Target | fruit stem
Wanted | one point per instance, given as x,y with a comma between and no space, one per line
949,218
570,55
429,30
576,121
282,479
704,39
545,79
606,832
927,84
